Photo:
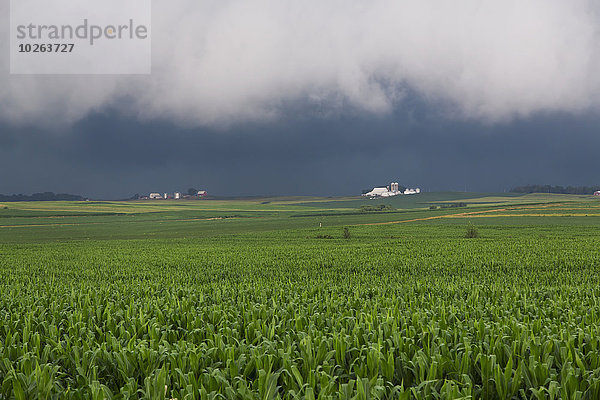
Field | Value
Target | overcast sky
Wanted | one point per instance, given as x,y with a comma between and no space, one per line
322,98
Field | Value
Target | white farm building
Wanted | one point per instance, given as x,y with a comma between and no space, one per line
378,192
388,191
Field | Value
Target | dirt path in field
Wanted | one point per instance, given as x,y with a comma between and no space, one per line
531,215
489,214
465,214
204,219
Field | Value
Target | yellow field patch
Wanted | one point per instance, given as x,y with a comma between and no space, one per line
101,223
485,214
522,215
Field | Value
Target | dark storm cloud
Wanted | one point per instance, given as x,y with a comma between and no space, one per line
110,157
319,97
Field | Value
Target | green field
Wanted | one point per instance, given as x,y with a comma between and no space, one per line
266,298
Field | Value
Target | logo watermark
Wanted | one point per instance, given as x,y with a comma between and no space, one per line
80,37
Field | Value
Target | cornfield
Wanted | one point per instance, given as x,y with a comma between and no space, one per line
286,317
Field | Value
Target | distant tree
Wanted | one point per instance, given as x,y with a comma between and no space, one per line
379,207
346,233
135,197
471,231
192,192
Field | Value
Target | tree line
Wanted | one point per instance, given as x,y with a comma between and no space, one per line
555,189
46,196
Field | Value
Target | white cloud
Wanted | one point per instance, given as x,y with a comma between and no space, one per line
220,61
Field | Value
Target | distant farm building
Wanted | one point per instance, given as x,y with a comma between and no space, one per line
597,193
195,194
388,191
378,191
412,191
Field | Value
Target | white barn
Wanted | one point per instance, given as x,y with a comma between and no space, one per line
378,191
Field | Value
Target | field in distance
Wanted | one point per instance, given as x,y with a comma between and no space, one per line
58,221
273,298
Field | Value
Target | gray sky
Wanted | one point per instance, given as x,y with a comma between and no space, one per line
320,97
